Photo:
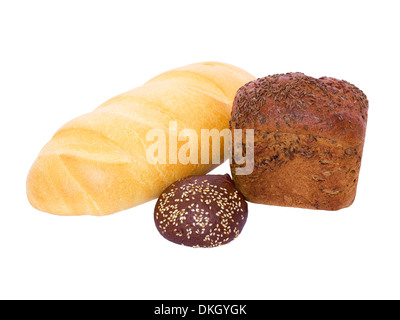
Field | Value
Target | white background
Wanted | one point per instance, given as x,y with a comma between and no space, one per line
60,59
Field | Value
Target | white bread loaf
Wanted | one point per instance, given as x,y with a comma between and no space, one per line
96,164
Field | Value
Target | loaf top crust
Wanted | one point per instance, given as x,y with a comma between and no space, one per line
296,103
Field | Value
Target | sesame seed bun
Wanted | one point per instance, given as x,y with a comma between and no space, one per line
201,211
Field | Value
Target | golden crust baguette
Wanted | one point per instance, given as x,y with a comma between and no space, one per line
96,164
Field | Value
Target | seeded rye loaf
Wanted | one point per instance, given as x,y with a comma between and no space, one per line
309,137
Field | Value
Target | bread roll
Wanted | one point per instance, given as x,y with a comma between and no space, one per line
97,165
201,211
308,140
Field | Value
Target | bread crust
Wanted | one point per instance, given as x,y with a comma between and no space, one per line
309,138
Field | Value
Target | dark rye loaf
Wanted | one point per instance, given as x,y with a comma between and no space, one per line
309,138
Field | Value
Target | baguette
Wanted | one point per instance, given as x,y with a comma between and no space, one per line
96,164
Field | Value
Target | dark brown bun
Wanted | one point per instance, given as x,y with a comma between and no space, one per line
309,137
201,211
